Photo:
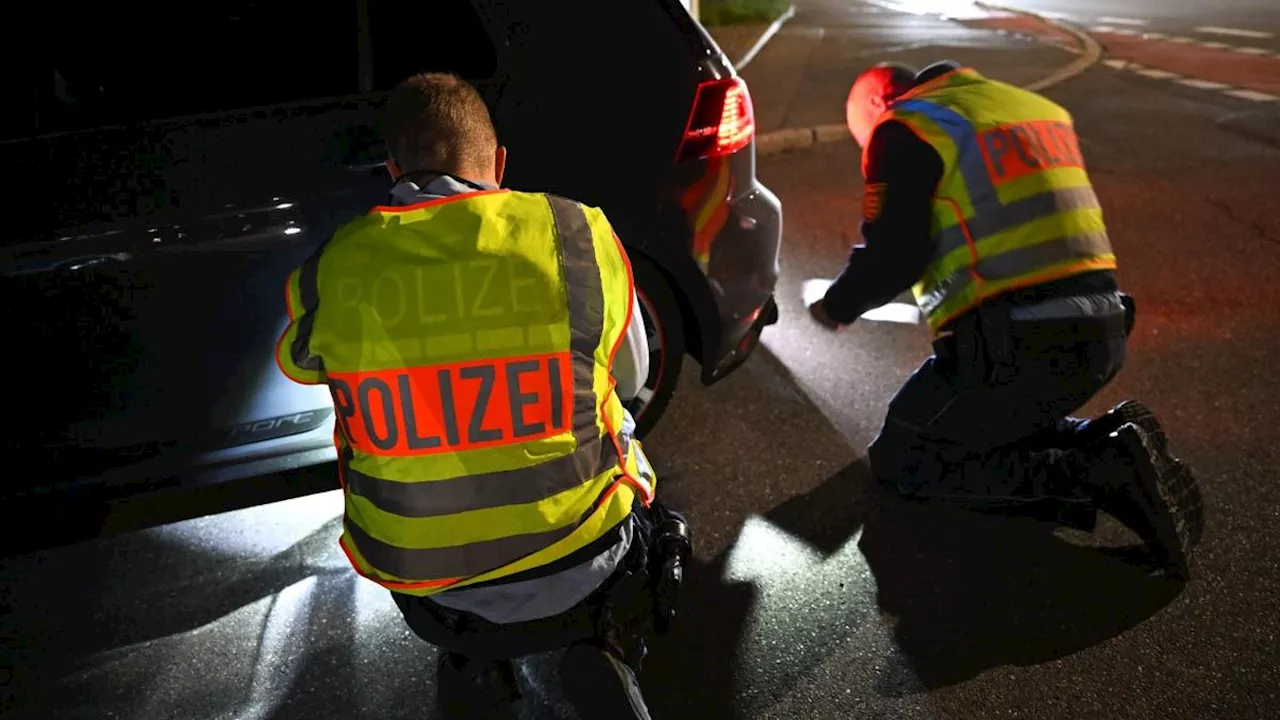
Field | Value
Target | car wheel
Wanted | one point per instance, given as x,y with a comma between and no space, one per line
664,326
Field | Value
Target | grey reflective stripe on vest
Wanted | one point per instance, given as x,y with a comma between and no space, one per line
309,294
987,223
475,492
585,290
990,216
450,562
1016,262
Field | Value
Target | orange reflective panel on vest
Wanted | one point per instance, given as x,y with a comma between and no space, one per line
1019,149
460,406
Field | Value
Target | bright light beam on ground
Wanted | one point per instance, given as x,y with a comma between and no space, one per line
895,312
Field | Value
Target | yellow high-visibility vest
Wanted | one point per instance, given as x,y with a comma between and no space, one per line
467,345
1015,207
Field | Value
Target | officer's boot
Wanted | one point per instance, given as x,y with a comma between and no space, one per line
1129,411
478,689
599,685
1135,480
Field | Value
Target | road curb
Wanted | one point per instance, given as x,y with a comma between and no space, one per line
1090,50
788,139
765,37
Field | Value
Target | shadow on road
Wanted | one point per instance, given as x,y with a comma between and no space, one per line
968,592
690,671
964,593
972,592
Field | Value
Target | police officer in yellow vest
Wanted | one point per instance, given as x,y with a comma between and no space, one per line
977,198
469,336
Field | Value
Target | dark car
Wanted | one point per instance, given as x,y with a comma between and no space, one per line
170,163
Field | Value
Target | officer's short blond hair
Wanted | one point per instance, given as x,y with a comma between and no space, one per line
438,122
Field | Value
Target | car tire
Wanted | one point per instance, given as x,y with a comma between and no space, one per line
664,325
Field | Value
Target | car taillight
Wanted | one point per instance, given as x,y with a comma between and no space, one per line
722,121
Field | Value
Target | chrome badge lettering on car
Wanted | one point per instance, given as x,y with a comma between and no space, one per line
275,427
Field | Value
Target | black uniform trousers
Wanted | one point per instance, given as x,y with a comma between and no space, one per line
619,612
985,423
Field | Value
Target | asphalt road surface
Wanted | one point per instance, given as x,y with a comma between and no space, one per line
812,596
1247,19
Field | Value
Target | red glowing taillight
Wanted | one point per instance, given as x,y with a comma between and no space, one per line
722,121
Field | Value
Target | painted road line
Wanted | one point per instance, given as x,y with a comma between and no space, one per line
1214,44
1215,30
1203,84
1155,74
1251,95
1121,21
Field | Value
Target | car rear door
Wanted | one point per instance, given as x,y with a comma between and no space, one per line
179,161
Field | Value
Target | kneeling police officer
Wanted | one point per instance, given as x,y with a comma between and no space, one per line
491,476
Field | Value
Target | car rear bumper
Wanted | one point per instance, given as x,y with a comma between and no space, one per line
743,273
765,315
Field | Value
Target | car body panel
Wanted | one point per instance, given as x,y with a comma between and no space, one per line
145,273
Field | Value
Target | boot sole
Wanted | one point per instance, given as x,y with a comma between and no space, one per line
1188,504
1163,484
1135,412
1185,496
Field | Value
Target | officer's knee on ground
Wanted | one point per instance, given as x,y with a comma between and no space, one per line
900,463
891,461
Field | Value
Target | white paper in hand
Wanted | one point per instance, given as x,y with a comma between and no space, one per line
814,290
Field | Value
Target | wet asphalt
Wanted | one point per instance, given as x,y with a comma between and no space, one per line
812,596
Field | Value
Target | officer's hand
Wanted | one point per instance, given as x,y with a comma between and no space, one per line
818,312
813,291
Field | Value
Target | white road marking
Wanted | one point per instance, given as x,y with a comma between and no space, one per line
1251,95
1215,45
1121,21
1156,74
1202,84
1185,40
1252,50
1152,36
1215,30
